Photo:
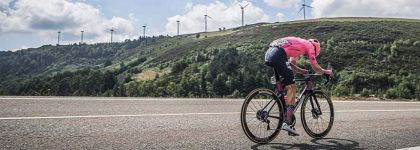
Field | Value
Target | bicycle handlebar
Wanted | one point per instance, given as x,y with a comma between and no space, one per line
308,76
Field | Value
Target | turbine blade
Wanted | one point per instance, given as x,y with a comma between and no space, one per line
308,6
209,17
246,5
301,9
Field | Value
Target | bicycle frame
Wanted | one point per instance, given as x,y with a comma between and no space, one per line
309,88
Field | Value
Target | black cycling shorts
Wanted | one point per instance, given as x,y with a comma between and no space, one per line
277,57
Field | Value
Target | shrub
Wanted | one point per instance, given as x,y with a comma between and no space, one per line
417,43
391,93
365,92
235,94
341,90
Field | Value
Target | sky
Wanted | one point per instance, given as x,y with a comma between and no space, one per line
33,23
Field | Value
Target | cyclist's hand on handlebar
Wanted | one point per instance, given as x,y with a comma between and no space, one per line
327,74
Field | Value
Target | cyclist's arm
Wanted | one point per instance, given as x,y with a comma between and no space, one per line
314,63
299,70
317,68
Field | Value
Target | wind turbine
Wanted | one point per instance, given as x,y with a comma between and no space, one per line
304,9
58,37
242,8
144,31
112,32
205,21
177,31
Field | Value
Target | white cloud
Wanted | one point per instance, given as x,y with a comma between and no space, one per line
4,4
189,6
280,16
49,16
282,3
366,8
223,16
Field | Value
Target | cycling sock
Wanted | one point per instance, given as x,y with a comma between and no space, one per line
289,113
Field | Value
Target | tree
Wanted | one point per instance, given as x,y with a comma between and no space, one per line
219,86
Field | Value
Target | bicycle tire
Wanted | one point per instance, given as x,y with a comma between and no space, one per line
245,122
308,130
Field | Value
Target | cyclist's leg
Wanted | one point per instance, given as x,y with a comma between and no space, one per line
278,58
286,71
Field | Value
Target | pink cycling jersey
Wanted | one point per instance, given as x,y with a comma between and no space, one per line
295,47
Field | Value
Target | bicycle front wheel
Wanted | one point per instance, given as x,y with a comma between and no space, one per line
261,116
317,114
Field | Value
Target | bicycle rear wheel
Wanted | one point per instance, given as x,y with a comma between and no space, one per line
261,115
317,114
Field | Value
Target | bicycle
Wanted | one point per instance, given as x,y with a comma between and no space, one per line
267,109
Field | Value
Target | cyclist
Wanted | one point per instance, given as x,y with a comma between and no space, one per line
277,56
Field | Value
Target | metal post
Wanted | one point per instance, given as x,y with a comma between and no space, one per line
242,16
81,38
112,31
177,27
58,41
205,23
144,31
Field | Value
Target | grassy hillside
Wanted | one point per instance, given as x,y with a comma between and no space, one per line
370,56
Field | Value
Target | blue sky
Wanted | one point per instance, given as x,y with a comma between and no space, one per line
30,23
153,13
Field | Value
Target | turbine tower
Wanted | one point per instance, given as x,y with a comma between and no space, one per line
242,8
177,31
81,38
58,37
205,21
304,9
144,31
112,32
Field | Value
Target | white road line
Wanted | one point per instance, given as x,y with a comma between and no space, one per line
410,148
383,102
109,116
384,110
183,114
174,99
118,99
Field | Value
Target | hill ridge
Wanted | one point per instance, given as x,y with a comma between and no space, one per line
377,57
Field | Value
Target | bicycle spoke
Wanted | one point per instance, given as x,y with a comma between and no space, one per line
254,106
252,119
258,129
251,108
274,117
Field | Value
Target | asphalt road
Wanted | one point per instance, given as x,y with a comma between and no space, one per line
141,123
